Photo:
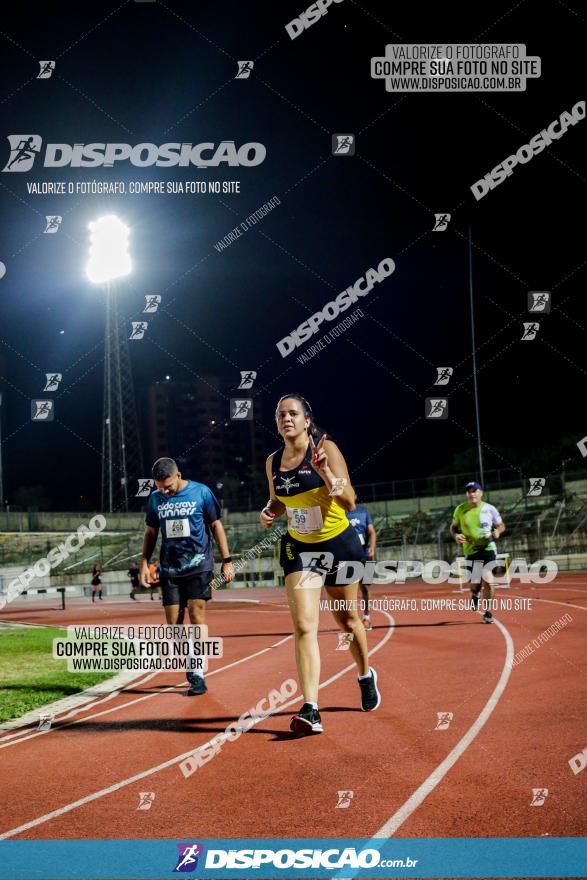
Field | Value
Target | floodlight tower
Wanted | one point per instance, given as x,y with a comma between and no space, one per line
121,451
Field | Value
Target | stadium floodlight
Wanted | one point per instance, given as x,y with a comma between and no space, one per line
109,256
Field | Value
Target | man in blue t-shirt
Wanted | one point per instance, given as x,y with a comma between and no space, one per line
360,518
185,512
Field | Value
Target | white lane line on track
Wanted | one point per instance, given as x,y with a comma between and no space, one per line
116,708
437,775
118,785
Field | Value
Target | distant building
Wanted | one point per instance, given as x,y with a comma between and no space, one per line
189,420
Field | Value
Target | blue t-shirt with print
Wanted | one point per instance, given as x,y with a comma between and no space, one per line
183,519
360,518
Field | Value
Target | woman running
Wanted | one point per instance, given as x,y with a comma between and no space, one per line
308,479
97,582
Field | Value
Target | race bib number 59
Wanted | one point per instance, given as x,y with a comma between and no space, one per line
305,520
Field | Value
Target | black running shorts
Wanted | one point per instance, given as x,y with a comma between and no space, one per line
483,556
323,557
178,590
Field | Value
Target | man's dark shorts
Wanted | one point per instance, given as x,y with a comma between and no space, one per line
178,590
483,556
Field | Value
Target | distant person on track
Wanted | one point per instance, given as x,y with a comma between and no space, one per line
308,479
360,519
186,512
134,573
97,582
476,526
154,576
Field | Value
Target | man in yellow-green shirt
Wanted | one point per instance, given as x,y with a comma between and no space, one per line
476,525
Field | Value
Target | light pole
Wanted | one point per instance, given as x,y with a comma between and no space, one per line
477,417
1,475
121,455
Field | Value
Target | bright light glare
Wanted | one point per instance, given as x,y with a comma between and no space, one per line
109,257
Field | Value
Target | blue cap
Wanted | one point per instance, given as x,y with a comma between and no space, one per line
473,485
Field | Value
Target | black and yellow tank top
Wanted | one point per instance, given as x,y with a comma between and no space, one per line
312,514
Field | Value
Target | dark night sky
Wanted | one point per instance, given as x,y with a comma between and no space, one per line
157,73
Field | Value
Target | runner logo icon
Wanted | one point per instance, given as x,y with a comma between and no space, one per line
344,799
539,795
152,302
244,69
530,331
444,719
23,151
53,380
343,145
436,408
42,411
146,799
46,69
537,484
444,374
539,301
247,378
53,223
189,854
441,222
138,329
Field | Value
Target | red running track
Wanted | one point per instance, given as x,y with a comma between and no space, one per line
512,730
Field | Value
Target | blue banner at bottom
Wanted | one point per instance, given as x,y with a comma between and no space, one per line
293,857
